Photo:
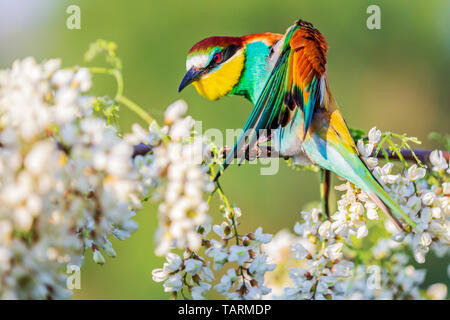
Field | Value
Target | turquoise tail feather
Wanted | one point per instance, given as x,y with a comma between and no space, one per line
347,164
308,108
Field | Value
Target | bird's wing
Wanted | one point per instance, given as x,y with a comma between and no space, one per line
295,81
307,68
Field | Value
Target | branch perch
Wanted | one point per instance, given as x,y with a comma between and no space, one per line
267,152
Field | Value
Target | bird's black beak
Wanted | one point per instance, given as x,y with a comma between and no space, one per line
190,77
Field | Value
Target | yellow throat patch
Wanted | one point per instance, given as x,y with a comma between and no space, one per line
220,82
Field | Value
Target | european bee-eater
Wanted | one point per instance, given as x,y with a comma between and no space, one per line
285,77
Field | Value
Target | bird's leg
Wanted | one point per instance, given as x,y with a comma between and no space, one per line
264,138
258,151
325,191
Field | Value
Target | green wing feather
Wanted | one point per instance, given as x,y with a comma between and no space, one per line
294,77
264,114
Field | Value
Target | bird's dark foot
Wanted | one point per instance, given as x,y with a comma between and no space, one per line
325,192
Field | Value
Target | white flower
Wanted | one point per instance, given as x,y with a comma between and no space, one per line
371,162
384,174
173,262
343,268
374,135
438,160
259,265
98,257
82,79
219,255
428,198
206,273
239,254
226,281
419,253
109,250
398,237
365,150
333,252
446,188
192,266
425,239
299,251
362,232
6,230
62,77
199,291
181,129
324,229
372,213
414,204
223,230
262,237
437,291
416,173
173,284
234,214
37,158
204,229
175,111
159,275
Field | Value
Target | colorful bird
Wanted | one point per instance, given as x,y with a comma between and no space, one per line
285,77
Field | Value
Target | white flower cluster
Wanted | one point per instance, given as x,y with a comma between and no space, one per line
392,277
279,253
322,267
353,208
246,281
66,179
350,220
428,205
366,149
316,263
176,169
190,271
321,271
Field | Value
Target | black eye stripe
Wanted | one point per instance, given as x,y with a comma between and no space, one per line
226,54
229,52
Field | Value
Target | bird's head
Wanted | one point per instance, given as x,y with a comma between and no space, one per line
214,66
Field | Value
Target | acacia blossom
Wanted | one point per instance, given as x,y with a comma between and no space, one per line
180,181
66,179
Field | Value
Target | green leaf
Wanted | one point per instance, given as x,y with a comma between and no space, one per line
357,134
443,139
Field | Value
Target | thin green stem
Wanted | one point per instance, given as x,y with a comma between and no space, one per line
212,194
380,145
226,202
120,98
397,151
135,108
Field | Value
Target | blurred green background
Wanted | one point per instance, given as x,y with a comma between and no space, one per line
396,78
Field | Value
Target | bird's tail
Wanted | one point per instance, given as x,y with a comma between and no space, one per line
386,203
361,176
333,148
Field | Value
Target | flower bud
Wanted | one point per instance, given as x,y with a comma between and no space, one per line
98,257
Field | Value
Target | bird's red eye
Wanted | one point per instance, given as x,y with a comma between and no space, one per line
217,57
